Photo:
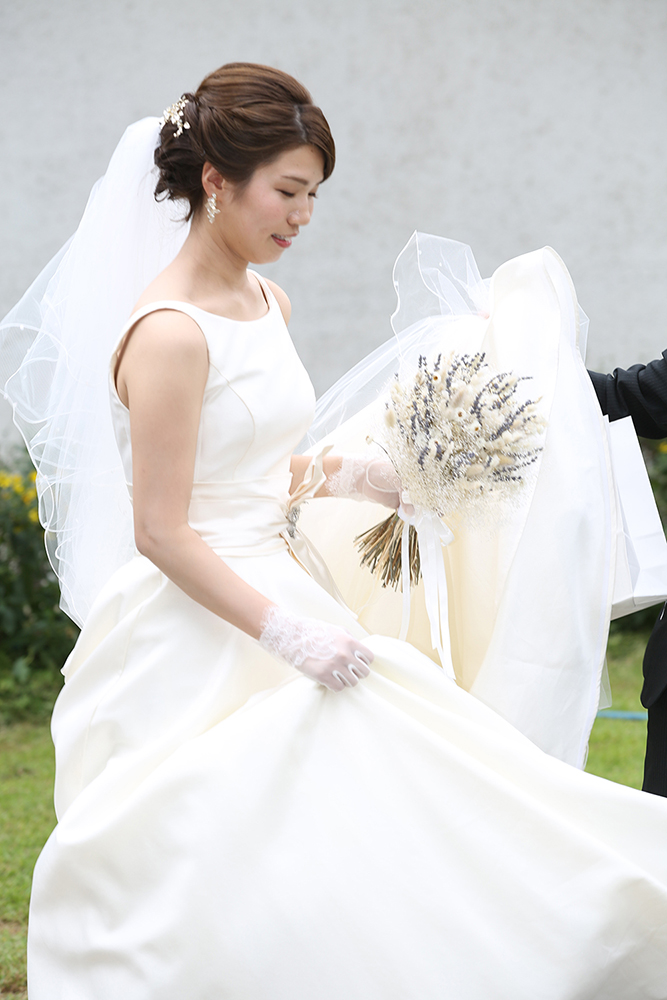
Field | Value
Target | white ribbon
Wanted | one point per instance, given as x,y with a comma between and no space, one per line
432,534
300,548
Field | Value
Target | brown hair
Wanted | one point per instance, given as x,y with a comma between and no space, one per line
241,117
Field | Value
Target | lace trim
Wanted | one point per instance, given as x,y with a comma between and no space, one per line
296,639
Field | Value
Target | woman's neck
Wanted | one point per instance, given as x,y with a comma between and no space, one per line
209,274
209,264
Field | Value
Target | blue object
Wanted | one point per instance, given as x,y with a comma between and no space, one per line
610,713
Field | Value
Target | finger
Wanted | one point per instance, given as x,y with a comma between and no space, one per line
353,678
364,655
358,670
362,668
343,678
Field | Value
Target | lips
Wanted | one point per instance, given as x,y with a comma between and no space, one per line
282,241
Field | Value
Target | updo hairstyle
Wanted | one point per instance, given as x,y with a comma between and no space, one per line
241,117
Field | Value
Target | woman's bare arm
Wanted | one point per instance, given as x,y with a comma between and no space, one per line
161,378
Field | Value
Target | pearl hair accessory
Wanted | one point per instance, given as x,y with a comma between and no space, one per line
211,209
174,115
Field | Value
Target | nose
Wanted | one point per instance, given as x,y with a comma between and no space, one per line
300,214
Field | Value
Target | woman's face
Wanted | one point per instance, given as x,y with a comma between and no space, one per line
259,220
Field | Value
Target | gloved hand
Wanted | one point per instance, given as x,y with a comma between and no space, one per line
328,654
363,477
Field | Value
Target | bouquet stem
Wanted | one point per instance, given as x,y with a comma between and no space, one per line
380,549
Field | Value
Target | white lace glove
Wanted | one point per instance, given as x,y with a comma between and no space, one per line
328,654
366,478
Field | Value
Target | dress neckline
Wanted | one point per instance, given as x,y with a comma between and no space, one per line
166,303
180,305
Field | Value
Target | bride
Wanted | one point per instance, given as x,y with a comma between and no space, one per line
257,799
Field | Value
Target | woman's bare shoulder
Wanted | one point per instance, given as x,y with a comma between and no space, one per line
169,331
162,345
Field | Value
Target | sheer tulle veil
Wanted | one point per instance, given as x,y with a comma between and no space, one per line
55,346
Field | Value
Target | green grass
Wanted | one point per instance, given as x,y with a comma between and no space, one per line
26,786
616,748
27,818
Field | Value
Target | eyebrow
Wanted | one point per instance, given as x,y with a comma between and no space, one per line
300,180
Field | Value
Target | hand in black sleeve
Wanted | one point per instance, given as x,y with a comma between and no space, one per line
639,392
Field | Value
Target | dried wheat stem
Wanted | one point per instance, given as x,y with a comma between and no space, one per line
380,549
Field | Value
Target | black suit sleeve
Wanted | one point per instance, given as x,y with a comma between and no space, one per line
640,393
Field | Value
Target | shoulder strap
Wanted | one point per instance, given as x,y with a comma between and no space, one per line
271,300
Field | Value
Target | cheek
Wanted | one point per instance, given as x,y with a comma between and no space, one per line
267,208
276,206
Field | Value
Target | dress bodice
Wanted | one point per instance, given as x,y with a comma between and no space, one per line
258,403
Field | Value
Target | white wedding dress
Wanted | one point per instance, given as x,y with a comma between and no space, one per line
229,830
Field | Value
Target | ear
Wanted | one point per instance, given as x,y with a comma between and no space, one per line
212,180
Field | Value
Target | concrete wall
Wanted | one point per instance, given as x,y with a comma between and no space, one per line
506,124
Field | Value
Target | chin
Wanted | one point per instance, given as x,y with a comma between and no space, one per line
269,256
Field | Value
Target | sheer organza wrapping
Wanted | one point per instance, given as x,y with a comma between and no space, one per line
55,346
437,284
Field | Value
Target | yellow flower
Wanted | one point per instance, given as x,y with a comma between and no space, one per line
662,447
20,486
11,481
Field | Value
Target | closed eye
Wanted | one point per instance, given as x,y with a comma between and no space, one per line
291,194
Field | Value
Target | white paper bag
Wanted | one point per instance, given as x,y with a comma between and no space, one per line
641,549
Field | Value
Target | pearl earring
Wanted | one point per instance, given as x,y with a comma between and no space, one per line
211,209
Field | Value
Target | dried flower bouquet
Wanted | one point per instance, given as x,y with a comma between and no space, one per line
460,438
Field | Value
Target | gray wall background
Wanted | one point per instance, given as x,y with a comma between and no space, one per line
505,124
